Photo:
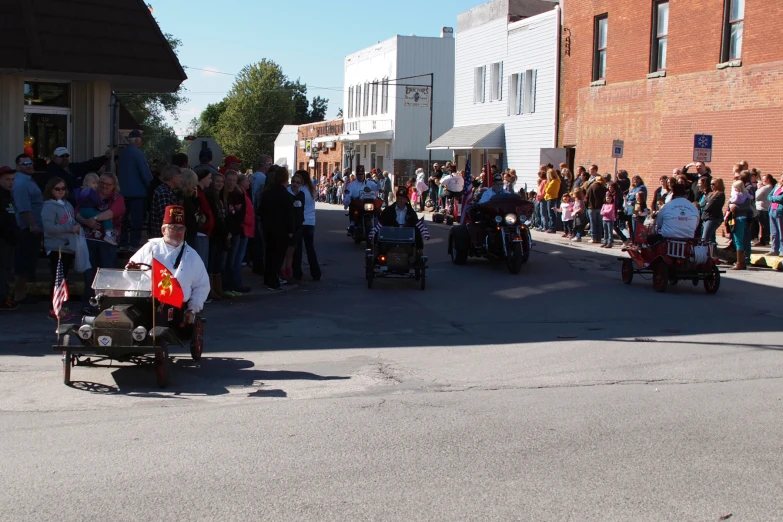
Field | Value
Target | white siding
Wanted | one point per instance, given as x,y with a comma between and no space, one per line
419,55
530,44
286,146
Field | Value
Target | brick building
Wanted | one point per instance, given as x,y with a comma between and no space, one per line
322,138
654,73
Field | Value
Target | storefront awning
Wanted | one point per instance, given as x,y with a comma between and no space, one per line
469,137
368,136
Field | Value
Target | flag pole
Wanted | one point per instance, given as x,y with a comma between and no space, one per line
154,312
59,264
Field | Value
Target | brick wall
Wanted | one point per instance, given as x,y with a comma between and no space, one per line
741,106
328,159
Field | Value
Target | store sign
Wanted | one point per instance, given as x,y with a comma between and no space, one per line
417,97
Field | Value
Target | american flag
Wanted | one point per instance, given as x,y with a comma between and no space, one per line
374,231
467,193
60,294
422,226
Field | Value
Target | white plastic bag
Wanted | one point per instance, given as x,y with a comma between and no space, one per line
81,262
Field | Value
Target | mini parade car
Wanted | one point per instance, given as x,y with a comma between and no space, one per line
670,261
124,329
393,254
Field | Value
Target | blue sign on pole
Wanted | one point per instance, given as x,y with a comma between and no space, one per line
702,148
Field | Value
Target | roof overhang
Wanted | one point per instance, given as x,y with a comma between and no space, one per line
368,136
470,137
118,83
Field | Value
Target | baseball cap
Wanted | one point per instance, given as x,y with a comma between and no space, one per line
497,176
135,134
61,151
232,159
6,170
402,192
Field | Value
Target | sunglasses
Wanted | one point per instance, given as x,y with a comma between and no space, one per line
59,189
64,156
176,228
25,163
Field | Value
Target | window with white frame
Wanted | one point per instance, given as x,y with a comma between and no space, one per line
385,96
660,36
599,46
479,73
366,89
522,92
357,104
514,97
733,29
529,105
374,105
350,102
496,81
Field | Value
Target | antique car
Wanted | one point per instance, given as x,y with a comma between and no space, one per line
670,261
363,211
393,255
497,229
124,329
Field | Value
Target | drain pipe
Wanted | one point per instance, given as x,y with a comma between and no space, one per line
558,30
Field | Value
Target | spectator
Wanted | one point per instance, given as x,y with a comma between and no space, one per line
609,216
234,200
595,197
540,205
248,228
776,219
739,207
552,189
198,216
580,215
72,173
287,272
217,241
712,210
180,159
102,254
762,206
165,195
307,236
60,227
28,202
89,202
231,163
204,178
277,219
205,161
631,201
567,207
581,177
134,176
661,193
257,244
9,232
434,185
617,198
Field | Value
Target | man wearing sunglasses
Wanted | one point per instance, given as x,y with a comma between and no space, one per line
72,173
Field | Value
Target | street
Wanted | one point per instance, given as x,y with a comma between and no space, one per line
556,394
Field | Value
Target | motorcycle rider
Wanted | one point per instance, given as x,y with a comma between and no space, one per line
362,188
678,219
497,188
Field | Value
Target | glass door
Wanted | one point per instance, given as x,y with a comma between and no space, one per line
45,130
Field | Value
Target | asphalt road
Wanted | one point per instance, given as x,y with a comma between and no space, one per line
555,394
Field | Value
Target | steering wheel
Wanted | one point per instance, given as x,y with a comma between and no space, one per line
137,266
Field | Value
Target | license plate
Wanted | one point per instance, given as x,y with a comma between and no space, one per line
104,340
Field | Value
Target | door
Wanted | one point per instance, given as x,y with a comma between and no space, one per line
48,128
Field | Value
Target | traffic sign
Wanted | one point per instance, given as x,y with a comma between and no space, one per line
617,148
702,148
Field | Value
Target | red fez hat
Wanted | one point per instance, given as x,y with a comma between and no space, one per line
174,215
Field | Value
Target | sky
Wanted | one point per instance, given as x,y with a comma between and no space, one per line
309,39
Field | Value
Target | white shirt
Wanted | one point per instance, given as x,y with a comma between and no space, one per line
367,189
401,215
489,194
678,219
309,206
453,183
191,274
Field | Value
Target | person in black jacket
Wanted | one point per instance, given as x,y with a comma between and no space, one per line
72,173
8,232
277,219
402,214
712,210
234,201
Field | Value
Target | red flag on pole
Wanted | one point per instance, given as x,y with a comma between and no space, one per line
165,287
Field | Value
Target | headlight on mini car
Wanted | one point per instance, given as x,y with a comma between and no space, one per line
498,220
139,333
85,331
511,219
369,207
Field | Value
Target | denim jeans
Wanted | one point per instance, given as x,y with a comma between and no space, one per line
202,247
228,267
544,208
764,226
596,227
133,222
307,238
537,214
568,226
236,265
608,238
710,227
217,257
102,255
775,232
551,214
256,245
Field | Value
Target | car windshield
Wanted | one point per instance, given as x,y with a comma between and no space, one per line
123,283
397,234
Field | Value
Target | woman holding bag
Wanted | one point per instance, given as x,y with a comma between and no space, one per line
61,234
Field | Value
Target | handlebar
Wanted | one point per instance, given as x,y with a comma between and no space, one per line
137,266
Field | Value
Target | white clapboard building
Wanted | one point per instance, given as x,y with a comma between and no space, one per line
285,147
386,105
505,90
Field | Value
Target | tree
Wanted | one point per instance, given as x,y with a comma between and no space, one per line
306,112
318,109
258,105
210,117
160,141
340,113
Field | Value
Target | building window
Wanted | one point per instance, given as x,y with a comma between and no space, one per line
496,81
366,110
479,73
350,101
531,77
733,28
599,53
660,35
47,94
513,94
373,156
357,104
385,96
374,106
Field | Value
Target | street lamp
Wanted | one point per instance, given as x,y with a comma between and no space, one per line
350,153
314,156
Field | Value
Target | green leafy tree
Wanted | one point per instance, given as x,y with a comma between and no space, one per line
258,105
318,108
340,113
208,121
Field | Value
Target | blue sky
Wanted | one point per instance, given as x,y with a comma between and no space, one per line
307,38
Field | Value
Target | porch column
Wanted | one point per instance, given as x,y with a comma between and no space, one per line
11,118
91,119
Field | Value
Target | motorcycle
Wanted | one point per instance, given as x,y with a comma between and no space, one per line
498,229
363,212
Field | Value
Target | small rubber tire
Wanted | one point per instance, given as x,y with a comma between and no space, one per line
162,366
627,271
660,277
67,361
197,342
514,259
712,281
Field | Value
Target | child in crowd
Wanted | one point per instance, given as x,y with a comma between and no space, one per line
640,213
579,213
567,211
89,203
340,191
609,215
